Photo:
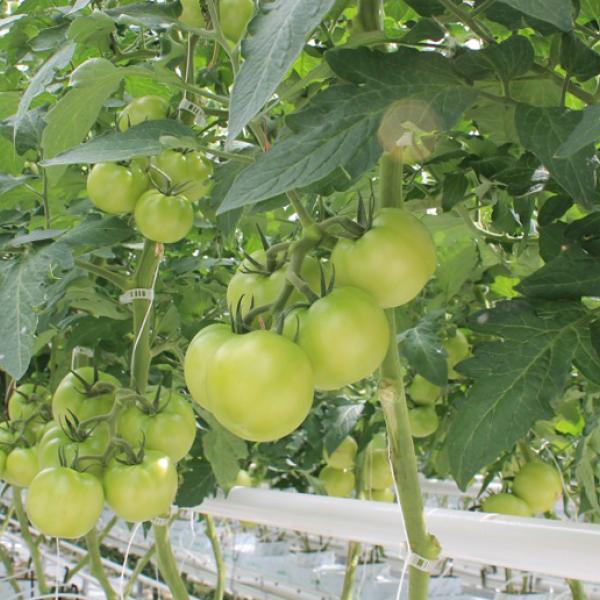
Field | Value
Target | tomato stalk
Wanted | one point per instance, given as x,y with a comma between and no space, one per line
96,566
351,563
34,552
9,568
166,563
370,15
139,567
577,590
211,533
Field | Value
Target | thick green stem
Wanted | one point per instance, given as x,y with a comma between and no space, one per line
119,280
166,563
96,566
34,552
186,116
370,15
86,558
10,571
139,567
351,564
211,533
577,589
302,213
391,181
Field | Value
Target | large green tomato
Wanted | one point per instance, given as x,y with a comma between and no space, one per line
79,394
337,482
191,14
385,495
423,421
392,261
21,466
64,503
457,348
114,188
258,289
170,430
143,491
234,16
189,171
146,108
30,402
345,335
539,485
163,218
506,504
198,356
260,386
343,456
423,392
378,473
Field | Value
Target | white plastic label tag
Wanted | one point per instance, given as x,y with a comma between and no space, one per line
199,114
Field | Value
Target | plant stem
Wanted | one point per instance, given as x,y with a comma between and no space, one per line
85,559
121,281
370,15
305,219
45,198
34,552
391,181
188,117
166,563
96,566
577,590
139,567
351,564
211,533
10,571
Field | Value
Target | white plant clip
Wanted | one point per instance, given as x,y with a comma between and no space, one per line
199,114
136,294
80,351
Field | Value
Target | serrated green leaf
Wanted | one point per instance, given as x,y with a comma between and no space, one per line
98,231
141,140
275,38
338,128
584,133
339,422
555,12
515,380
543,131
197,483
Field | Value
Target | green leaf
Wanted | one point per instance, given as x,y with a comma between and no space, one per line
586,132
339,422
586,465
98,232
10,182
141,140
555,12
276,36
147,14
424,29
59,60
554,208
572,274
586,357
197,483
338,128
454,189
542,131
515,380
577,59
85,29
22,291
423,348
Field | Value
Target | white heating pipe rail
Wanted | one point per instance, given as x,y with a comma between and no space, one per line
556,548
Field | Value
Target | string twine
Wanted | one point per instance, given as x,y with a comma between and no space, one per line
124,566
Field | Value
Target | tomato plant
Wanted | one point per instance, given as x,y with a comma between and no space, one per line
145,108
539,485
337,482
163,218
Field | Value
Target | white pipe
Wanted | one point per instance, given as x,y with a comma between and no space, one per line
555,548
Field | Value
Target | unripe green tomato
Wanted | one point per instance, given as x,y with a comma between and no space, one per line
234,16
2,462
30,402
423,392
345,335
244,479
506,504
188,171
337,482
260,386
21,467
146,108
457,348
114,188
64,503
198,355
378,473
343,456
539,485
385,495
392,261
191,14
378,442
162,218
423,421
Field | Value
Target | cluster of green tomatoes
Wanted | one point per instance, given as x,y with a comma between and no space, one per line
160,191
93,442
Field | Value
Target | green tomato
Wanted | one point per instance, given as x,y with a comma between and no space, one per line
506,504
343,456
21,467
258,289
163,218
79,394
191,14
141,492
2,462
171,430
189,171
198,356
423,421
244,479
114,188
146,108
423,392
385,495
234,16
538,484
345,335
457,349
260,386
62,502
30,402
392,261
378,473
337,482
